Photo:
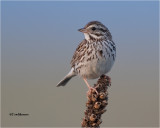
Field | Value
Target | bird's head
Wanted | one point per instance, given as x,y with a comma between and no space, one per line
95,30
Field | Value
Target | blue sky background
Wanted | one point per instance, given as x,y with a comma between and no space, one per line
38,41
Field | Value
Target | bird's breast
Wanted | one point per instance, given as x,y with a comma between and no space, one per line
97,60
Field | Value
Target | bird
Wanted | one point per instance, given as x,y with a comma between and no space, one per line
94,56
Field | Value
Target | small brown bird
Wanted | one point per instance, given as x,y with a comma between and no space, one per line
94,56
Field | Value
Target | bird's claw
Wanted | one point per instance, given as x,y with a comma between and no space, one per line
91,89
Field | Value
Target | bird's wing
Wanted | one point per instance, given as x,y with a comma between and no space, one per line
79,53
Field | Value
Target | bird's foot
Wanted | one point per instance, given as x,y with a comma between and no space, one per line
90,90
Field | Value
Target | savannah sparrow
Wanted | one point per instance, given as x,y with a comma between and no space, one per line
94,56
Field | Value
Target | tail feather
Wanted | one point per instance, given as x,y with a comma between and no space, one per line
65,80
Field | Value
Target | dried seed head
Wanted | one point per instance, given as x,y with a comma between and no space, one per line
92,117
89,97
104,102
103,111
97,105
102,95
88,105
94,97
84,122
94,124
99,121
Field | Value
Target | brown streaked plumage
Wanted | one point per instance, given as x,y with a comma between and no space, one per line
94,56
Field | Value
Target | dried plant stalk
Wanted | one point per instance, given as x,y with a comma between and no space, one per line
96,104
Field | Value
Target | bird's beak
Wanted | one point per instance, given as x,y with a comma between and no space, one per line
83,30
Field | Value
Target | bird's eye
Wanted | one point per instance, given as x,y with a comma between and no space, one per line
93,28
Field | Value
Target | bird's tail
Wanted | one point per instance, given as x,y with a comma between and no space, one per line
65,80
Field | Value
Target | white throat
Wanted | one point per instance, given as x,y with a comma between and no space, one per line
86,36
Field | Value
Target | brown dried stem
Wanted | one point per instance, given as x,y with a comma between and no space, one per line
96,103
